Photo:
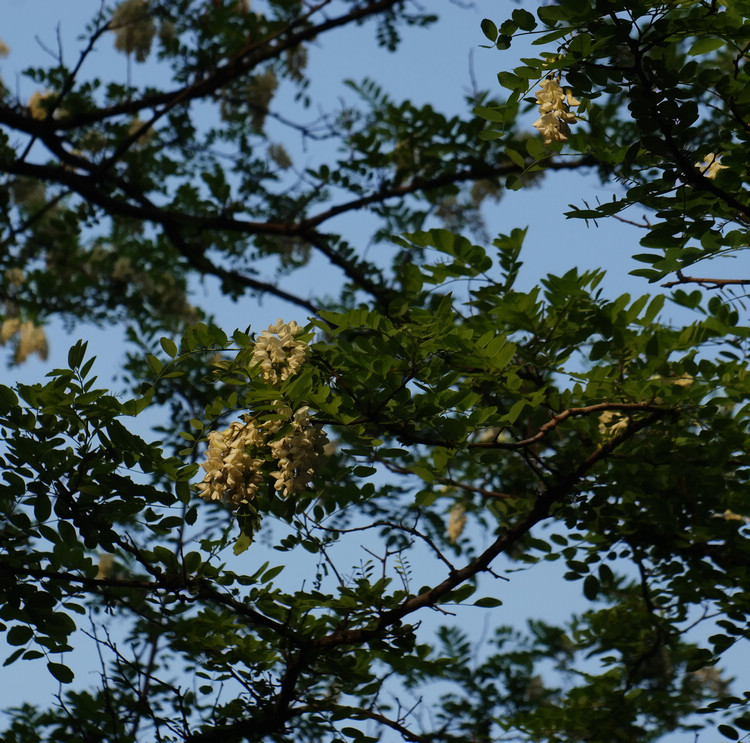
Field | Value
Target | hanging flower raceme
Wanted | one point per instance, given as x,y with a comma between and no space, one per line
243,456
29,338
297,454
232,473
237,460
279,352
554,109
456,522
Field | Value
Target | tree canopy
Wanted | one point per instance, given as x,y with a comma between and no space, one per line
300,546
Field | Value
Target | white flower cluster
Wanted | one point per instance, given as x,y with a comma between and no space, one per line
232,474
554,109
710,165
297,453
279,352
31,338
236,460
684,380
611,423
15,276
456,522
37,107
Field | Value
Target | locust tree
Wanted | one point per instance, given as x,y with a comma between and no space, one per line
303,546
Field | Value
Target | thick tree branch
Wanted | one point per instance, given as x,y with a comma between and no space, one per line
561,488
251,56
279,712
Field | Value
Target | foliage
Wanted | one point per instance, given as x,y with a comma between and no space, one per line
292,589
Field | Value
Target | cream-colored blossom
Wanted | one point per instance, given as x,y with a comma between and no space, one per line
15,276
297,454
236,457
611,422
732,516
32,339
36,107
4,51
123,269
684,380
279,352
105,566
488,435
456,522
554,109
9,328
145,137
134,28
232,474
710,165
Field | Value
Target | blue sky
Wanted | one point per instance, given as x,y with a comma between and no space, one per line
433,66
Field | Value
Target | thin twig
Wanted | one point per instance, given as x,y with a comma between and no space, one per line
706,283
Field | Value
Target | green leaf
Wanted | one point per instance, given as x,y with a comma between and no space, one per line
271,573
460,594
489,114
535,148
605,574
169,347
515,157
706,45
590,587
42,507
507,80
242,544
154,363
61,672
580,46
551,36
13,657
8,398
134,407
489,134
515,410
488,602
192,562
728,732
489,29
524,19
363,471
76,354
19,635
743,722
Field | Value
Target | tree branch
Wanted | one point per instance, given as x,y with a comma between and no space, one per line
279,711
245,60
541,509
705,282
